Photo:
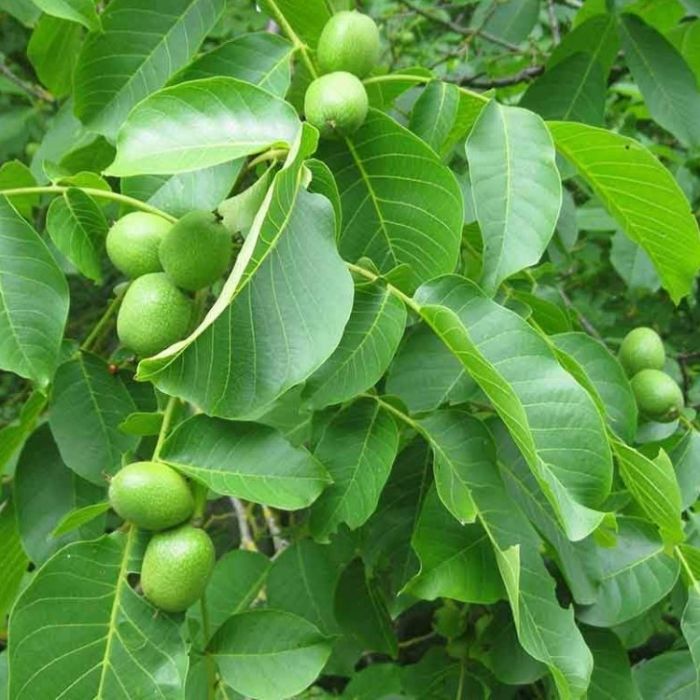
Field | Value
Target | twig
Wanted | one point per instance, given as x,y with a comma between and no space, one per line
587,325
278,542
554,25
31,89
243,527
525,74
459,29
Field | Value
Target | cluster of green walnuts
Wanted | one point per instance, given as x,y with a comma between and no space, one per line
165,261
348,48
179,557
643,357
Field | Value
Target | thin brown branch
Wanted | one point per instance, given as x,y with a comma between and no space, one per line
526,74
585,323
459,29
553,24
28,87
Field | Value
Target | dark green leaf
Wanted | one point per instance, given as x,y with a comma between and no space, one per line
685,456
670,675
245,460
13,560
33,300
13,174
303,20
434,113
78,517
633,264
612,676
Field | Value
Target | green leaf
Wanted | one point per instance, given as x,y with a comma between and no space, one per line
516,189
668,85
80,615
262,59
401,205
652,483
637,573
245,460
140,47
357,448
87,405
642,196
179,194
13,174
52,38
382,90
13,435
361,610
550,416
607,377
685,456
690,625
597,37
511,20
81,11
257,339
302,580
78,227
425,374
612,675
238,212
573,90
234,584
33,300
669,675
434,113
13,560
686,38
304,20
457,561
269,654
368,344
577,561
633,264
40,509
201,123
142,423
78,517
545,630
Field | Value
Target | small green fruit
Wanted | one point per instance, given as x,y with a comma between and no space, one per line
349,42
154,314
151,495
132,243
196,251
176,567
641,349
657,395
336,104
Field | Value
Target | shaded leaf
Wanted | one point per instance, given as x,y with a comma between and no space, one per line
269,654
369,342
88,404
245,460
633,264
303,20
13,174
357,448
434,113
685,456
637,573
13,435
668,675
78,517
596,36
612,675
13,560
33,300
81,11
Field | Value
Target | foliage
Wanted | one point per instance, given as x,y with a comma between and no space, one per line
399,413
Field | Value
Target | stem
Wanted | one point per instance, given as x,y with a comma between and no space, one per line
278,542
392,290
165,426
31,89
686,566
92,341
93,192
272,154
243,528
299,45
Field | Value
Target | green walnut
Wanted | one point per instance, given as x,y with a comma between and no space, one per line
336,104
176,567
349,42
151,495
133,241
153,315
196,251
658,396
641,349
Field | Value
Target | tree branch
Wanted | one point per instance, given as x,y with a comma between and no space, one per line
459,29
31,89
525,74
